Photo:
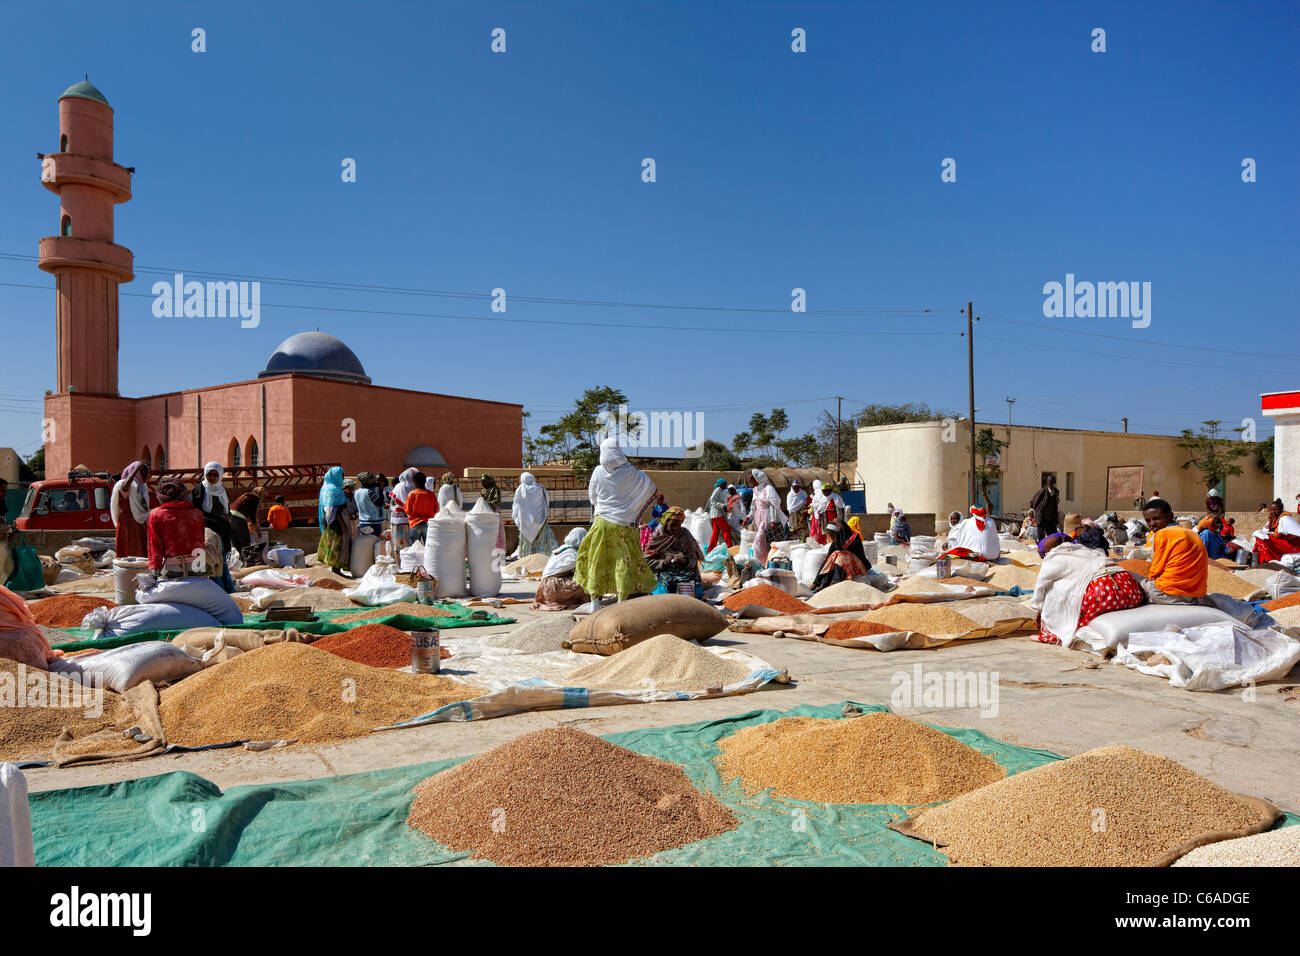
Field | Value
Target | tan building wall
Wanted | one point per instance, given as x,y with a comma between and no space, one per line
912,466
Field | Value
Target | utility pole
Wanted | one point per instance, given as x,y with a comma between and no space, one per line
970,371
839,405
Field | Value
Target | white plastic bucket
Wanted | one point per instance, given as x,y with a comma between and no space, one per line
124,572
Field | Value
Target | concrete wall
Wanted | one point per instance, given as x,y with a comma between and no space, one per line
913,467
1286,457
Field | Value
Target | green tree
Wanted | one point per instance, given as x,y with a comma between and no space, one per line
800,452
987,475
1212,454
35,465
714,456
825,432
575,436
1264,455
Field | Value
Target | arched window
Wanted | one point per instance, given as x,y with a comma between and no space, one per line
63,143
252,453
145,457
232,454
161,458
425,456
65,227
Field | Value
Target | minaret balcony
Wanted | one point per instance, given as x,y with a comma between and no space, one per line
70,252
62,169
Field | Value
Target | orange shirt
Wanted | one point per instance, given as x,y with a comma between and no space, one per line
278,517
1179,563
421,505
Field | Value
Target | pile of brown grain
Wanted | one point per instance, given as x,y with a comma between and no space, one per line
375,644
875,758
1137,566
764,595
29,732
1114,806
409,608
560,797
293,691
66,610
329,584
922,618
843,630
1219,581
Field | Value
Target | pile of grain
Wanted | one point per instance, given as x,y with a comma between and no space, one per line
560,797
403,607
528,564
843,630
988,613
296,691
1286,600
1219,581
764,595
1288,616
665,662
915,585
922,618
321,599
536,637
848,592
875,758
329,584
375,644
30,731
1008,576
1049,816
1136,566
1256,576
66,610
1275,848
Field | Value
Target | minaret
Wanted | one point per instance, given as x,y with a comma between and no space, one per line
86,263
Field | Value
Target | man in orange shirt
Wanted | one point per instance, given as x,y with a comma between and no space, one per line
1180,565
278,515
421,505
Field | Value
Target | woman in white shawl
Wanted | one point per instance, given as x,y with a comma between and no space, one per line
528,511
817,506
131,494
768,518
449,490
398,520
976,538
557,590
796,503
610,559
1075,584
210,497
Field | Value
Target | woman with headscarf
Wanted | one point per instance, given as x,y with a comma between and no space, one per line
1028,528
817,513
332,519
449,490
1214,508
976,538
491,493
834,501
557,590
846,558
421,507
210,497
899,530
656,512
129,506
175,532
1076,582
529,511
735,513
369,499
1280,535
398,521
770,523
243,525
718,515
796,503
610,559
674,555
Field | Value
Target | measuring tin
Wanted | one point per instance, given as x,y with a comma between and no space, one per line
426,654
425,590
686,587
943,567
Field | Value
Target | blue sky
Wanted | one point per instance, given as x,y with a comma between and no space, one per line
775,170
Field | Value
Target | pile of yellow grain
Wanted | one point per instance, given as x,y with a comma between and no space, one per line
29,731
875,758
929,619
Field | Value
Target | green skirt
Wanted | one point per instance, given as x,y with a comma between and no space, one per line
610,562
544,543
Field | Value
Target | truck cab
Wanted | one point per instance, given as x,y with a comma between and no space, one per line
79,502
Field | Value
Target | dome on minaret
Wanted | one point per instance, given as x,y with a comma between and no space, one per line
318,354
86,91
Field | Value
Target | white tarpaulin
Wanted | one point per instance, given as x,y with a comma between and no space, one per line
1211,656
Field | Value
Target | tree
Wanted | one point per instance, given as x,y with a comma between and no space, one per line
799,452
986,474
1213,455
576,436
36,466
714,456
1264,455
825,432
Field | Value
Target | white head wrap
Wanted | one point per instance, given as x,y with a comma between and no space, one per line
529,508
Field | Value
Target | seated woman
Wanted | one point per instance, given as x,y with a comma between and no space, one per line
1028,528
1076,583
673,554
846,559
1215,541
557,590
899,530
1213,509
1280,535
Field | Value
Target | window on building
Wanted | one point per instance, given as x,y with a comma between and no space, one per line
147,458
253,455
1069,486
63,143
65,227
161,458
232,454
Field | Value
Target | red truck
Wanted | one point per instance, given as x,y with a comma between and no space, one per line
80,502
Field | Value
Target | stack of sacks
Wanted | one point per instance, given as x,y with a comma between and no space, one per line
172,605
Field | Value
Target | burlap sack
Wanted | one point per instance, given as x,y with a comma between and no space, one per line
198,641
620,626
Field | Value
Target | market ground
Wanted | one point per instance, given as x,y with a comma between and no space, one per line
1048,698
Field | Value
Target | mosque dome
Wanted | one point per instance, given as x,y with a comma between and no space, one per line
86,91
318,354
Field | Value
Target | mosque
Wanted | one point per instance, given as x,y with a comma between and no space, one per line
312,403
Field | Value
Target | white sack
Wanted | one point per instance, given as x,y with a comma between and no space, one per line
380,586
1107,631
444,552
482,526
136,618
202,593
1212,656
122,668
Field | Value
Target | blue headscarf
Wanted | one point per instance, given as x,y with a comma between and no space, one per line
1050,541
331,493
655,514
720,483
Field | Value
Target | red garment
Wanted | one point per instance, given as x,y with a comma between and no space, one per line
721,528
128,542
421,505
1114,592
1273,547
175,530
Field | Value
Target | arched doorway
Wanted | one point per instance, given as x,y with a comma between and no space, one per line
232,454
426,458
